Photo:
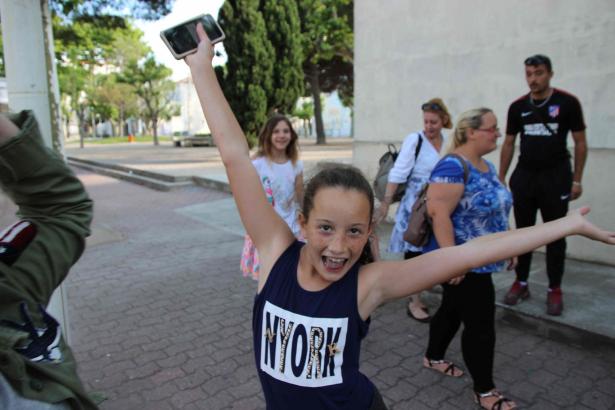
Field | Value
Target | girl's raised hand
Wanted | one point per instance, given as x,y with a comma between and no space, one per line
589,230
205,51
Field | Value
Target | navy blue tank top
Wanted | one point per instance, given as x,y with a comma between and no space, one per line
307,344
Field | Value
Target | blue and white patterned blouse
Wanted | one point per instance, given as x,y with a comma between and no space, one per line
483,208
414,174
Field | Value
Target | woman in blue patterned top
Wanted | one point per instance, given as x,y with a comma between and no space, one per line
465,208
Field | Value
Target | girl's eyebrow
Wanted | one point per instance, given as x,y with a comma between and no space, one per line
323,220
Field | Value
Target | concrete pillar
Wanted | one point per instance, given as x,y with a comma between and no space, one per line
32,84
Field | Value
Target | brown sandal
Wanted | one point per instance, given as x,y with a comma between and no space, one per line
497,405
449,370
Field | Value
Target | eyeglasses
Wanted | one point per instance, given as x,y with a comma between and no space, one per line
431,106
538,59
491,130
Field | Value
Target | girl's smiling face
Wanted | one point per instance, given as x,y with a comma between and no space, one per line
336,232
281,136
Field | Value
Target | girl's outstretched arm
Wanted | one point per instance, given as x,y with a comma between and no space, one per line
269,232
383,281
7,129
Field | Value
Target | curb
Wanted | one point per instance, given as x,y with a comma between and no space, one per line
148,179
544,327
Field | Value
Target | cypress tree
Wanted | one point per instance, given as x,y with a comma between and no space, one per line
327,32
247,77
284,32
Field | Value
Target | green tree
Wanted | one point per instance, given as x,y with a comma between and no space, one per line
155,90
327,27
284,32
86,45
128,47
247,78
74,67
113,100
305,112
141,9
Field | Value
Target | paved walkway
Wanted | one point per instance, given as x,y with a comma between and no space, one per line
161,319
589,288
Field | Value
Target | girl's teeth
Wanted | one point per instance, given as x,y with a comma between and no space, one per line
334,262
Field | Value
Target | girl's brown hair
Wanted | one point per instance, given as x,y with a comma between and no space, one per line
340,176
265,147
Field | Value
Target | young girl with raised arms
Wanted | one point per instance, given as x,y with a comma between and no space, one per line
281,175
314,300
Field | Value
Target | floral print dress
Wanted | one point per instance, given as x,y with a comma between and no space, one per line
278,181
414,174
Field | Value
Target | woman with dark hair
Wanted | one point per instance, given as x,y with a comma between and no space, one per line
419,153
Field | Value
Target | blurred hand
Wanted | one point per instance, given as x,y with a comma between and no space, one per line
503,180
204,53
7,129
588,229
576,191
512,263
381,213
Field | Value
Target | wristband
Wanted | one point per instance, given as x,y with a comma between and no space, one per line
576,183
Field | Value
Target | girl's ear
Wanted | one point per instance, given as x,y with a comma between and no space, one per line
302,223
371,229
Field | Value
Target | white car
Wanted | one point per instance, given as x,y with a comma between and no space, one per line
204,140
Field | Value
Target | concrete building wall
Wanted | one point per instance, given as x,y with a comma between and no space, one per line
471,54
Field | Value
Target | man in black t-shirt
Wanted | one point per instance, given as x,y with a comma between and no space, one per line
543,179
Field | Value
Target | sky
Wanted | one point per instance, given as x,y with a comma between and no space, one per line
182,10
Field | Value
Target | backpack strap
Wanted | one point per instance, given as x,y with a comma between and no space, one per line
392,149
416,153
418,147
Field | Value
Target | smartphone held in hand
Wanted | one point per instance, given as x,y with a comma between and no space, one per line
182,38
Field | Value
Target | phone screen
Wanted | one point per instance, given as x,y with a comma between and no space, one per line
183,38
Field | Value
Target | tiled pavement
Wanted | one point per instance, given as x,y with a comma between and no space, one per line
161,319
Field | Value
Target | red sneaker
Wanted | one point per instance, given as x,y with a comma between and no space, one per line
516,292
555,302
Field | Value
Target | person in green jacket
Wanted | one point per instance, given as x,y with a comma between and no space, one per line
37,367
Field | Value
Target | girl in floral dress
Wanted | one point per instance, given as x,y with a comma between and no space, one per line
281,174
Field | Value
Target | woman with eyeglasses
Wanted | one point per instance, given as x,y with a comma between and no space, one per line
420,151
467,201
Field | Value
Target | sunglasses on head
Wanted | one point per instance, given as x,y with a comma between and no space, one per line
431,107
